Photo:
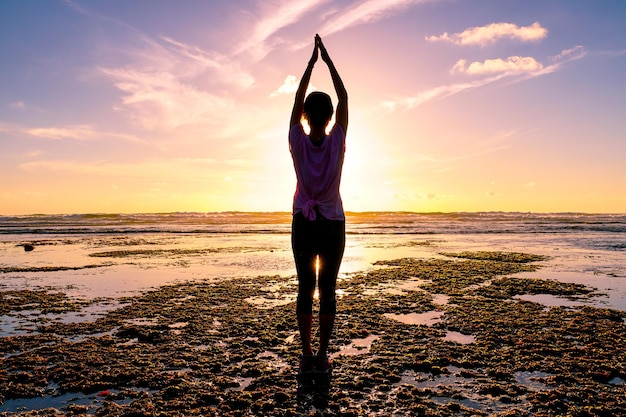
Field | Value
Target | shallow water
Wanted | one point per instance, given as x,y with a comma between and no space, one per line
113,256
427,319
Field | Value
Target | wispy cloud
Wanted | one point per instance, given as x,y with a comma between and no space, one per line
167,84
435,93
513,64
273,18
570,54
180,168
17,105
365,12
81,133
198,61
513,69
159,100
484,35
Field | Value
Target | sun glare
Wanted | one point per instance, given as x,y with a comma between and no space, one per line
368,169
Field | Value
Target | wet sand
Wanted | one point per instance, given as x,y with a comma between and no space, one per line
449,336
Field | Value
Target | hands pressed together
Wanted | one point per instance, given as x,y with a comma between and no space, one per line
341,114
319,49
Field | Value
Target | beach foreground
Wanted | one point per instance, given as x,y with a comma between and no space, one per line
433,337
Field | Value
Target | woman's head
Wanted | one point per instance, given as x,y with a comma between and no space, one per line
318,109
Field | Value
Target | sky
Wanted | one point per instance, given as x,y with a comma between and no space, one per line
183,106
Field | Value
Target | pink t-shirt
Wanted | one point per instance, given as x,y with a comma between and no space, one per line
318,171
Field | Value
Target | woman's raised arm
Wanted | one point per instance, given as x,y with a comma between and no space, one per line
341,116
298,105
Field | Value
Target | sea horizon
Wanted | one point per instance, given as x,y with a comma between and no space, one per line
347,212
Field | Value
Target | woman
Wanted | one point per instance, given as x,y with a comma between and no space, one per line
318,226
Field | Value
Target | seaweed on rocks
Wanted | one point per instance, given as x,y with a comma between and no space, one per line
203,348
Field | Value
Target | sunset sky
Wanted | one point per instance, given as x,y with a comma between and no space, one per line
455,105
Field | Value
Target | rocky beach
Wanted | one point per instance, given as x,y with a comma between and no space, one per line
450,335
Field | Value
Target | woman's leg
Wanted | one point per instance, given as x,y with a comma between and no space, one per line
302,243
331,253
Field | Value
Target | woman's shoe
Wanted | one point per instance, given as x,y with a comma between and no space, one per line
322,365
307,364
305,371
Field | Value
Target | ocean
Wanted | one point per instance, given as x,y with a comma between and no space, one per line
113,255
357,223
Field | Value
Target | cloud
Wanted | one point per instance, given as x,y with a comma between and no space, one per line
366,12
289,86
524,67
484,35
75,132
514,69
159,100
174,169
435,93
273,18
17,105
79,132
199,60
167,84
570,54
513,64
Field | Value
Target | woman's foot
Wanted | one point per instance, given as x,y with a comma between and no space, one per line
307,364
322,364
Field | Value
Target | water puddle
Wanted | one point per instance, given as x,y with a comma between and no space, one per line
357,347
427,319
397,288
264,303
244,382
455,388
91,401
176,327
28,321
272,360
452,380
441,299
460,338
83,337
86,314
533,380
550,300
13,326
143,321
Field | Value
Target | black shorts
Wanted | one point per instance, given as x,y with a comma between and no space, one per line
310,239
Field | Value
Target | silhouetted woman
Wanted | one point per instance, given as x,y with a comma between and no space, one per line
318,226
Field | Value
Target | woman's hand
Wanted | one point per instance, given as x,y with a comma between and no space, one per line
298,104
319,44
341,115
313,59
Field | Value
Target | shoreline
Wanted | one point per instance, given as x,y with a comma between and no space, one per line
230,348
